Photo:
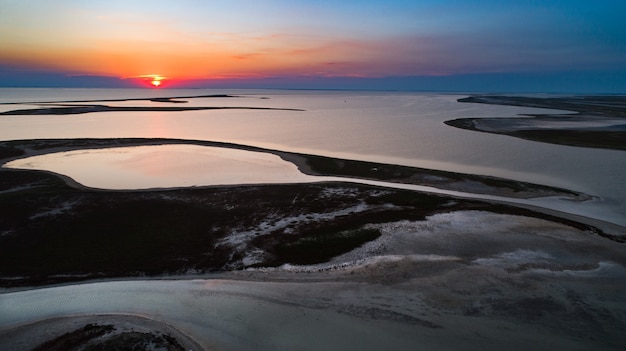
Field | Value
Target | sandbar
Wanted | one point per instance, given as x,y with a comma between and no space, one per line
596,121
454,281
332,265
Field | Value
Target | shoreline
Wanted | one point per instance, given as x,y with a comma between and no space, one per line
82,109
492,204
332,265
445,181
323,166
595,122
462,289
462,269
50,331
172,99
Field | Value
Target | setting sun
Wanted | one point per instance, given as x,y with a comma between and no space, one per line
153,80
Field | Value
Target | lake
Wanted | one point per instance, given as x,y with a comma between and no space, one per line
448,281
393,127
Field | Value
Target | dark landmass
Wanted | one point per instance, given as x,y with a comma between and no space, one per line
456,284
102,333
8,152
173,100
70,107
51,232
478,184
598,121
80,109
76,338
609,105
96,337
163,99
317,165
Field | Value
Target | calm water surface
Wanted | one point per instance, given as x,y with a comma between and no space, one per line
394,127
165,166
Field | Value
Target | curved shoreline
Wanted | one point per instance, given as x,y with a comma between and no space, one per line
596,122
460,280
463,189
33,334
379,211
172,99
459,283
445,273
82,109
324,166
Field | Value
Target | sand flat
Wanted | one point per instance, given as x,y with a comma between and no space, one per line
445,283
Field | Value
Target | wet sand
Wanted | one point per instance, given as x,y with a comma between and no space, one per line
462,280
459,279
597,121
40,334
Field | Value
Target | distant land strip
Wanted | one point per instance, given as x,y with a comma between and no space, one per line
55,231
314,165
80,109
157,99
604,105
598,119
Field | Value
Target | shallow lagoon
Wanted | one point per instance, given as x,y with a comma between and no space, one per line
392,127
188,165
165,166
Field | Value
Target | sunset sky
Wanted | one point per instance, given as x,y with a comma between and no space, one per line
536,45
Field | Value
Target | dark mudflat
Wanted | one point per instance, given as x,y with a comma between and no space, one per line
599,119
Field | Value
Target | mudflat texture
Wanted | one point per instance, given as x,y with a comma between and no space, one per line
336,266
597,121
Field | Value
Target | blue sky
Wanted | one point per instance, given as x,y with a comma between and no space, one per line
581,45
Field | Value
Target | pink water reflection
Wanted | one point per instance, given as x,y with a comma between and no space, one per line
163,166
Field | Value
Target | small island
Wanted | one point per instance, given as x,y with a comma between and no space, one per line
597,121
362,256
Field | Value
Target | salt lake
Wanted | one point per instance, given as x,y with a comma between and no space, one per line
392,127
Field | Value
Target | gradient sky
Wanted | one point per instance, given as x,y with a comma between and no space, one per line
319,44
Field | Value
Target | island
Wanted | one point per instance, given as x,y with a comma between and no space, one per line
597,121
287,266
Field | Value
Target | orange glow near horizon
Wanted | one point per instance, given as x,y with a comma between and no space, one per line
151,80
197,41
156,83
130,59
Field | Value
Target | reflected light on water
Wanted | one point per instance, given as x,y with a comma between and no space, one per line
162,166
